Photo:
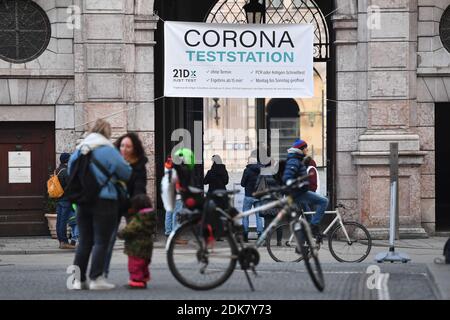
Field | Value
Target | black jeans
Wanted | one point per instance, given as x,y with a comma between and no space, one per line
96,224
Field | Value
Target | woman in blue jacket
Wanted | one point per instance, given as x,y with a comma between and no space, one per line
96,222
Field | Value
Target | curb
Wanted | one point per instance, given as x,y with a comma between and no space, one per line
403,247
59,251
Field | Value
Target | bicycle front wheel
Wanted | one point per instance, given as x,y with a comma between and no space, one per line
355,248
195,265
281,244
310,253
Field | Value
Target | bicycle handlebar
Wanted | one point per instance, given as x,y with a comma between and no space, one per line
290,185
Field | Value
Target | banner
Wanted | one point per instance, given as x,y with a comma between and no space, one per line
238,60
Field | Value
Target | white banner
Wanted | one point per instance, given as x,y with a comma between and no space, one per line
238,60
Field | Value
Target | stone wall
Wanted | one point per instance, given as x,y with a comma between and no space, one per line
114,70
433,85
377,105
43,89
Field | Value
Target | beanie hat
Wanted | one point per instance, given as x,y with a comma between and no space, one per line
64,157
300,144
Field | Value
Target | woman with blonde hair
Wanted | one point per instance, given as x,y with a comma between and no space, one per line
97,220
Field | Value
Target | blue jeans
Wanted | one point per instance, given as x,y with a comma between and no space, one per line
171,222
248,204
63,213
312,198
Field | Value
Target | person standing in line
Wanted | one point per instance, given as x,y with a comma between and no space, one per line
217,178
248,181
97,221
132,150
268,180
63,206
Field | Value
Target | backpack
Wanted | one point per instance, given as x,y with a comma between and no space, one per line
54,188
82,186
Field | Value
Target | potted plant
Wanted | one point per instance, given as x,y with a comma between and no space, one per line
50,209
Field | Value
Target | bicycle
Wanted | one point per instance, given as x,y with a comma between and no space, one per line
349,241
202,265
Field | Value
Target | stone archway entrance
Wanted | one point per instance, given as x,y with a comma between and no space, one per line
223,116
174,113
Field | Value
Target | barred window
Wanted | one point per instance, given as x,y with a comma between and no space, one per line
24,30
444,29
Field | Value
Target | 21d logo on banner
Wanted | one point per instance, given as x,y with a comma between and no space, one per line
184,73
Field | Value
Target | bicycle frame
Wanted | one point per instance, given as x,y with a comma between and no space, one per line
285,202
330,226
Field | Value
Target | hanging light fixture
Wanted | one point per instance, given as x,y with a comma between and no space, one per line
254,11
216,106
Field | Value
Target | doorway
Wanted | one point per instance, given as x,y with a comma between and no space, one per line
27,156
442,132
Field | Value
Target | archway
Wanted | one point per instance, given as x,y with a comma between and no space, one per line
226,114
173,113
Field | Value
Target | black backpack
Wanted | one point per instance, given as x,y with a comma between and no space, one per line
82,186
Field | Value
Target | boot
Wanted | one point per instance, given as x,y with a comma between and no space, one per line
65,245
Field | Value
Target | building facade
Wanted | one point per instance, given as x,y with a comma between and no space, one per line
384,78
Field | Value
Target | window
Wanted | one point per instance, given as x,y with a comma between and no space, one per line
275,3
444,29
24,30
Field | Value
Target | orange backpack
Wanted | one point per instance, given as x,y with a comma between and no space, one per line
54,187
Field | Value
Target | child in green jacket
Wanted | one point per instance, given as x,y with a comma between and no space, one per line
138,236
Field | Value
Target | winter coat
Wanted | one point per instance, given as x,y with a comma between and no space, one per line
105,152
138,234
216,177
295,168
138,179
249,178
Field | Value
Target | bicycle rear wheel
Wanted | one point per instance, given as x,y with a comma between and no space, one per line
196,266
355,250
311,254
281,244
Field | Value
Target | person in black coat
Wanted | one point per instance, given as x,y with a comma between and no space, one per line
217,177
63,207
132,150
248,181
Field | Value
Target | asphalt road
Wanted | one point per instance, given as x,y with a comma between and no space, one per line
44,277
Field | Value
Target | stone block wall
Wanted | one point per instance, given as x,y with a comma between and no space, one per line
43,89
114,76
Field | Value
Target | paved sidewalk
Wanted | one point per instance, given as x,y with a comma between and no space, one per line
47,245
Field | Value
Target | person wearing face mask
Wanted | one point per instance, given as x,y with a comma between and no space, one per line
131,148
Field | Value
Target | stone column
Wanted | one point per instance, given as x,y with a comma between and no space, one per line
141,113
114,69
387,85
350,113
